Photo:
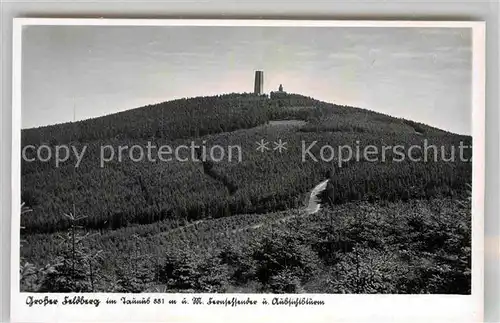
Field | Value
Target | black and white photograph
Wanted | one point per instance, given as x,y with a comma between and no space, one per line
246,159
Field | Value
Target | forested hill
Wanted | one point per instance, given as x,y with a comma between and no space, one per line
199,116
182,118
128,192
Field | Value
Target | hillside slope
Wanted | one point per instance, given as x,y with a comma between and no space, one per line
122,193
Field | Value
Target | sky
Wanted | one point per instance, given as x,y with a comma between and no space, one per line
80,72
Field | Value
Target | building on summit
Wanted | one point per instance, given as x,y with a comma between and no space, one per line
259,87
278,94
259,83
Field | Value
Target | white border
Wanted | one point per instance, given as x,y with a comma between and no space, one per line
344,308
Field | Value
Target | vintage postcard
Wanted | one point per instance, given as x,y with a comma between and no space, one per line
247,170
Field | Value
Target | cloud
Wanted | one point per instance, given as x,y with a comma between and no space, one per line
442,31
443,58
344,56
306,54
